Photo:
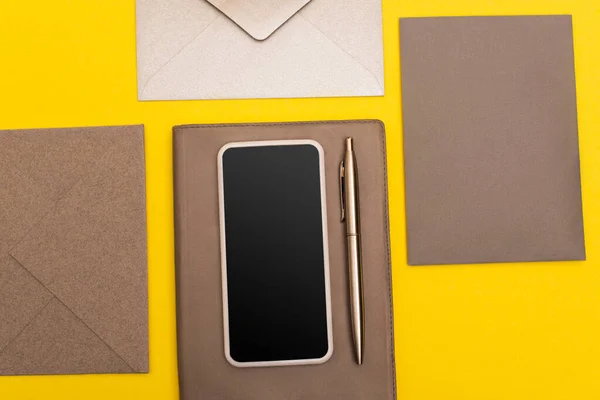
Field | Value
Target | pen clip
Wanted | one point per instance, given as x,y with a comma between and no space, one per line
342,184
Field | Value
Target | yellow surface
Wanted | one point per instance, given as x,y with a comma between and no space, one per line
513,331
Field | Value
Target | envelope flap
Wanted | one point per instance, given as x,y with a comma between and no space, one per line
57,340
259,18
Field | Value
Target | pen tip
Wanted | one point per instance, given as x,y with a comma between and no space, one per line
349,143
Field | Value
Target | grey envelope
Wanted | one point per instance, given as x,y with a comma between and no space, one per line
73,264
490,140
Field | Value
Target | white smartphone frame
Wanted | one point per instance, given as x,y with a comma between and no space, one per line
325,253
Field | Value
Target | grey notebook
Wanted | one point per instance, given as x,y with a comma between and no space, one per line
204,371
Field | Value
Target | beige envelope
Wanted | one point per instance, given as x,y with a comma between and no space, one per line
73,264
223,49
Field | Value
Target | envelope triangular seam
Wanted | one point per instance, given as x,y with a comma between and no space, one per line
158,70
57,343
259,27
55,297
7,345
344,50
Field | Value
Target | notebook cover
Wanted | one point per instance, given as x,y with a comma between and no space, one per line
204,372
490,140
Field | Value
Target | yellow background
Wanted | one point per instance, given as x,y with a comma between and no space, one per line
512,331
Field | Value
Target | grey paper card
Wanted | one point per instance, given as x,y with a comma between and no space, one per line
490,140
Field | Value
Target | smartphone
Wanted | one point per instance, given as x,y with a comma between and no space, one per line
274,253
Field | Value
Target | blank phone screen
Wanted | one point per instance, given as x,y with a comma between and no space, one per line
275,256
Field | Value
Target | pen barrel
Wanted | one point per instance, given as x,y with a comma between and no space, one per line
357,314
351,194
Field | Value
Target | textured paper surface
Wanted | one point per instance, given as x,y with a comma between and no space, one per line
204,372
490,140
259,18
73,263
188,49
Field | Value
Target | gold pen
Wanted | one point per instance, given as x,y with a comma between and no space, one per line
351,214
